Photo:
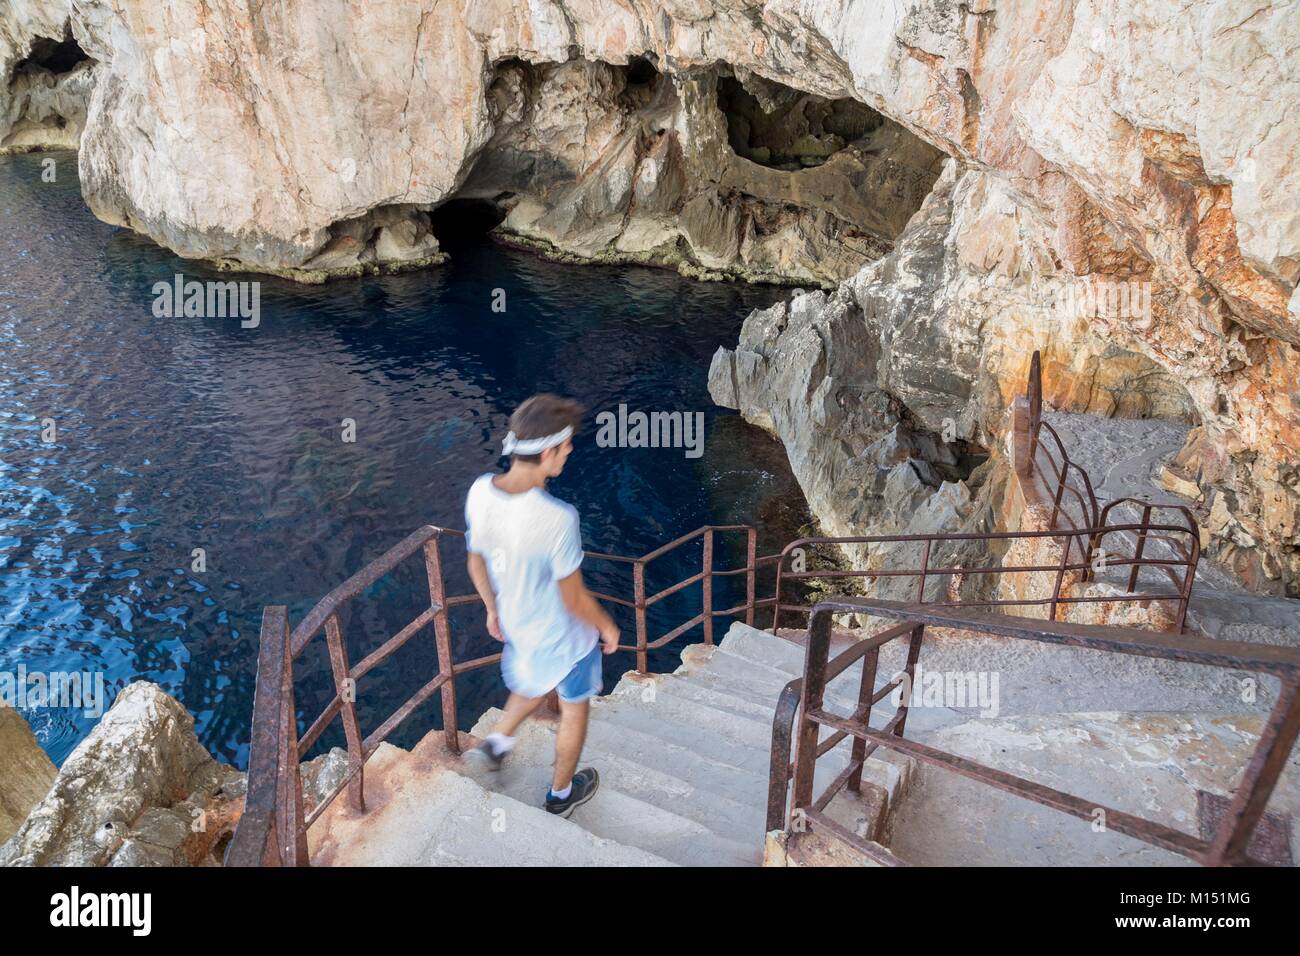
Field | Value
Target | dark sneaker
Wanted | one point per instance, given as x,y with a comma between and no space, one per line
585,784
484,756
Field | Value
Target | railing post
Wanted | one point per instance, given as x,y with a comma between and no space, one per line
866,690
925,566
347,698
811,698
708,586
442,638
1060,491
913,652
776,593
1266,765
1189,577
290,834
638,599
778,771
751,560
1060,577
1137,551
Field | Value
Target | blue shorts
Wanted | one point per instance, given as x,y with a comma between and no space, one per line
585,680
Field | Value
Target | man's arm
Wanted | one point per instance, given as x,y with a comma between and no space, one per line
478,573
585,607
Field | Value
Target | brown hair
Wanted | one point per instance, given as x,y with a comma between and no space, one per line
543,415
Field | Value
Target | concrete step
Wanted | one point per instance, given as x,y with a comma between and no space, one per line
684,687
673,706
426,814
727,672
712,742
1031,677
666,694
736,825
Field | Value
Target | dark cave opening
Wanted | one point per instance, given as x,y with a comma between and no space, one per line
459,223
53,56
641,71
784,128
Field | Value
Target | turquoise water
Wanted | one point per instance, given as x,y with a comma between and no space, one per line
173,434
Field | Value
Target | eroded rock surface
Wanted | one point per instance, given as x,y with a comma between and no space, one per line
46,79
25,771
140,790
1124,193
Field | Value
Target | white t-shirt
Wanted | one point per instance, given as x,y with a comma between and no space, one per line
530,541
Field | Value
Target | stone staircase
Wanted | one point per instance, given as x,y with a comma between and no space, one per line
683,759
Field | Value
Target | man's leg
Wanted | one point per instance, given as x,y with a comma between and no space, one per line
517,710
569,741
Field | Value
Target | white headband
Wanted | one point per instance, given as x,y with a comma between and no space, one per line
534,446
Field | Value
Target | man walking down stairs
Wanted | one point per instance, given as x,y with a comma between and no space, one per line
683,761
525,548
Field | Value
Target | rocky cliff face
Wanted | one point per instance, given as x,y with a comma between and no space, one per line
1123,191
139,791
47,79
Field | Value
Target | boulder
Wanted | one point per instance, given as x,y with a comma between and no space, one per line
140,784
26,773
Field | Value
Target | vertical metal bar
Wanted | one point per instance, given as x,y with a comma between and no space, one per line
925,566
751,559
778,769
638,599
776,593
1060,577
708,586
442,639
811,697
1094,539
913,652
866,689
1141,546
290,835
1188,579
345,688
1266,763
1060,490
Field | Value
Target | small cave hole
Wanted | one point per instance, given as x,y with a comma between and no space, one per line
459,223
53,56
640,83
641,71
783,128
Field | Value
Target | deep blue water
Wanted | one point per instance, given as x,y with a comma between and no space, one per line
183,433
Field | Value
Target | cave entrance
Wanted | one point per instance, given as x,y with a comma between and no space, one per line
462,223
784,128
52,56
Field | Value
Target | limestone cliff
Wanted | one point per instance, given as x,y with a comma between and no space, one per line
1142,148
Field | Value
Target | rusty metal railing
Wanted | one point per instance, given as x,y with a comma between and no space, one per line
1088,532
273,828
805,697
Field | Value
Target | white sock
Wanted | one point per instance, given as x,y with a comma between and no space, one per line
563,794
501,744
